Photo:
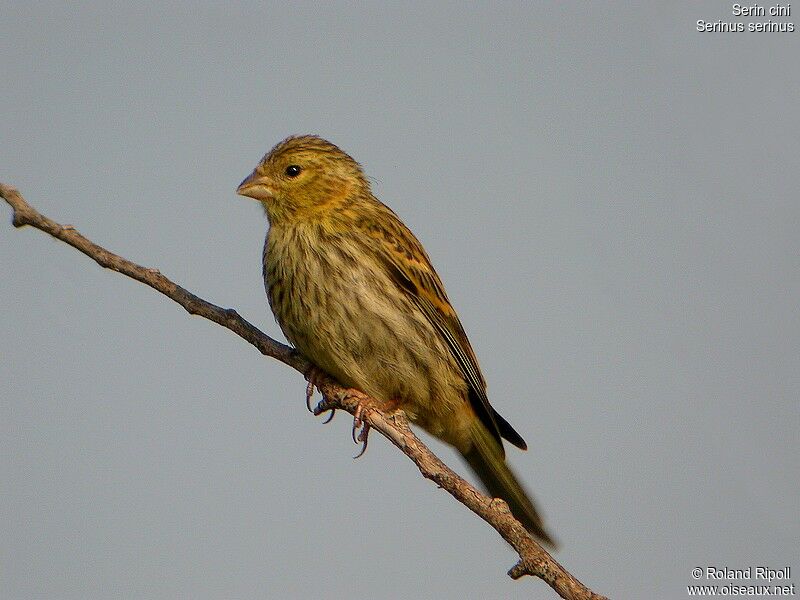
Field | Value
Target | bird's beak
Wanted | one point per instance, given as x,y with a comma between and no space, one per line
257,187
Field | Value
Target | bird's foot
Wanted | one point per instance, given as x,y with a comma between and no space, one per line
364,403
358,423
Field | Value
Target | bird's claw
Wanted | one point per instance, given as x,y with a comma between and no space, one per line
322,408
330,417
314,377
309,395
363,435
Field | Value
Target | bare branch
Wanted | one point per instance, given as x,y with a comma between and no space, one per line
533,559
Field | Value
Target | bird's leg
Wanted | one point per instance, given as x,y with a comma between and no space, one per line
316,376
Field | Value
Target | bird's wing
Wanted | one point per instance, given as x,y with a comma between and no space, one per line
408,265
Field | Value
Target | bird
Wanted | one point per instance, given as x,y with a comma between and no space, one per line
354,291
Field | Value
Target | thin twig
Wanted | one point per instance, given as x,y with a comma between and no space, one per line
533,559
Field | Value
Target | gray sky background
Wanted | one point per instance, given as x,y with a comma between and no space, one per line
610,196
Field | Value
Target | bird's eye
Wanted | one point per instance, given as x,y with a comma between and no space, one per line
293,171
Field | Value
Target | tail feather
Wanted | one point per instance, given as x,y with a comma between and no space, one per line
507,432
485,458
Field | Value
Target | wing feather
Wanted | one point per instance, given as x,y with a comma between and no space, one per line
410,268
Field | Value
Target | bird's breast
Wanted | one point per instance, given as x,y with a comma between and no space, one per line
337,305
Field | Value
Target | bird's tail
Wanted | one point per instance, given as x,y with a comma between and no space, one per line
486,459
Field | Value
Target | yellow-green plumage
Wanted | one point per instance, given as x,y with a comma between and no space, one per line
354,291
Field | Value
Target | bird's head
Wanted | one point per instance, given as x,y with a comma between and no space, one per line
304,176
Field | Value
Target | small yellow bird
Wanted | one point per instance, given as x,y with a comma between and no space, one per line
354,291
